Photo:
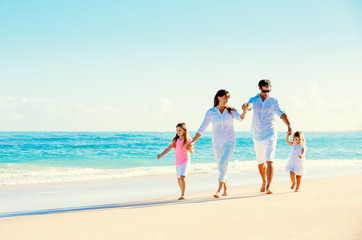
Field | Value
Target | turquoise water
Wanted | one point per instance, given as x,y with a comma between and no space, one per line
30,157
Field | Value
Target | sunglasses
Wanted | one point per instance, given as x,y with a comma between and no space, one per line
265,91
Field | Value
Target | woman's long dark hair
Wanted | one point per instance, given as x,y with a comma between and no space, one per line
222,93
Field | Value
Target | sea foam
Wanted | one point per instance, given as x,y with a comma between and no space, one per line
14,174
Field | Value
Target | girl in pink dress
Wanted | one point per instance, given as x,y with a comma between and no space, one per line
182,155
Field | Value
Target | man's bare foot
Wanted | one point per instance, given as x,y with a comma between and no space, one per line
293,185
262,189
217,195
182,198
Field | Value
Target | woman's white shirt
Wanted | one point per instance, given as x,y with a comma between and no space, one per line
222,126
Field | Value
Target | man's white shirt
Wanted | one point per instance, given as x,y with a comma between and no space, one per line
264,112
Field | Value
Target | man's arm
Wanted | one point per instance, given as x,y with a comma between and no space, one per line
284,117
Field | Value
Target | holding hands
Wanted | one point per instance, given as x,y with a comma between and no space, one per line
245,107
190,145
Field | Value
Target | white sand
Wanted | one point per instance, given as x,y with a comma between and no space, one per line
328,208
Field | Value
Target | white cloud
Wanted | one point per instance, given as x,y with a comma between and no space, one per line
311,110
18,114
167,106
315,110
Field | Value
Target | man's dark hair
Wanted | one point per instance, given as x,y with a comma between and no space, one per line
264,83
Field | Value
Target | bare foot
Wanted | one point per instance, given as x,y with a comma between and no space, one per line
268,191
262,189
217,195
225,194
182,198
292,187
296,190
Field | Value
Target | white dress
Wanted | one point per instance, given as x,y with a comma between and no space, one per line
295,164
223,136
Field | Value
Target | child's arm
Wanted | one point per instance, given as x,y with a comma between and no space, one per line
287,140
165,152
302,152
191,150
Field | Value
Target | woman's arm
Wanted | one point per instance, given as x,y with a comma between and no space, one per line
191,149
205,123
242,116
191,144
202,129
188,147
165,152
246,107
249,105
236,115
287,140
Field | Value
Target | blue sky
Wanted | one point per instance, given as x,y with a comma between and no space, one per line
147,65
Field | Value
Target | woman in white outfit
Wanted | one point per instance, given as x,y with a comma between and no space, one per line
223,134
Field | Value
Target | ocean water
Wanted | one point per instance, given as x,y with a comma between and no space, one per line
42,157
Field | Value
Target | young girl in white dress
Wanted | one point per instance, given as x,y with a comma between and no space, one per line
295,164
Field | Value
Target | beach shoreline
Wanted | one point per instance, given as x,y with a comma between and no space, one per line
325,208
26,199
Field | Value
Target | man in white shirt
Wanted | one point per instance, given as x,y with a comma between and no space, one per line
264,130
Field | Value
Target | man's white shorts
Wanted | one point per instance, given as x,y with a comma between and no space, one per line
265,150
181,170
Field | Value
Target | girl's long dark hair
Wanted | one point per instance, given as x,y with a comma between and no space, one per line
186,135
222,93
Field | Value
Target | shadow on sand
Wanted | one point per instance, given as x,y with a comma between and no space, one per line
138,204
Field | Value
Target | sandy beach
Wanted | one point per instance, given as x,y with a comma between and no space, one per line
325,208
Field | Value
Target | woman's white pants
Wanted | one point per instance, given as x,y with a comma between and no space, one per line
223,155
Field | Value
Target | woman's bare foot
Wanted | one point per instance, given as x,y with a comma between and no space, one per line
182,198
269,191
293,185
217,195
262,189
